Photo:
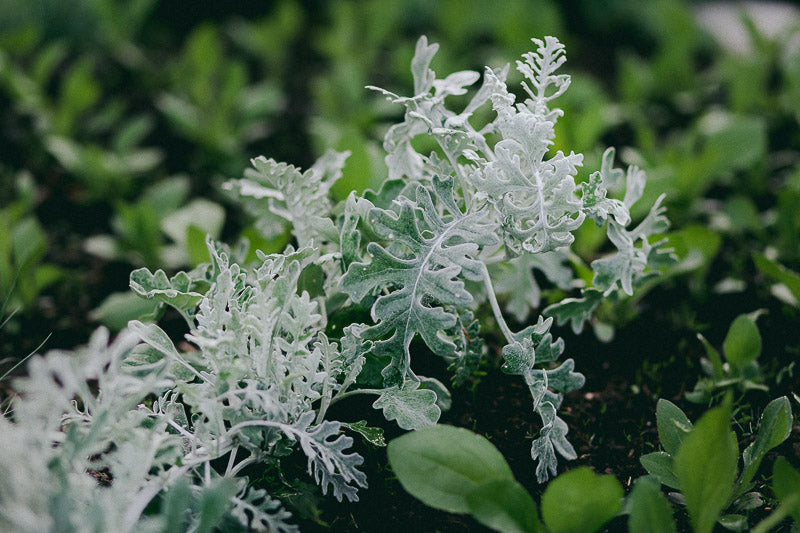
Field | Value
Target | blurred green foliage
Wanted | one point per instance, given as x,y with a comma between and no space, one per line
126,130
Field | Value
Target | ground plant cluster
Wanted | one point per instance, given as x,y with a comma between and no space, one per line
343,267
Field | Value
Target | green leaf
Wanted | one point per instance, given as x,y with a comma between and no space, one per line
580,501
775,270
660,465
774,428
504,505
195,244
673,425
785,484
410,406
215,501
650,510
737,141
176,502
121,307
742,343
441,465
28,242
155,337
733,522
714,357
706,468
207,217
372,435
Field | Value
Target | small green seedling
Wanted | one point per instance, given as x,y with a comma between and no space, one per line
700,461
741,348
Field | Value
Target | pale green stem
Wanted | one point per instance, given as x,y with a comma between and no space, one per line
238,468
498,314
231,461
353,392
10,370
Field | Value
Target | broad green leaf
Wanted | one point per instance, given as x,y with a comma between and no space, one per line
742,343
660,465
121,307
650,510
504,505
167,195
774,428
673,425
410,406
786,484
580,501
705,466
696,246
441,465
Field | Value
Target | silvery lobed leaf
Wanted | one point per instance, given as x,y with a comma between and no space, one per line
422,270
271,189
410,406
179,291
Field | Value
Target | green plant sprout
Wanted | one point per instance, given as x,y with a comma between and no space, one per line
741,349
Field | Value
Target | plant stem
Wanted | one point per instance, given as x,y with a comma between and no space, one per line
498,314
354,392
10,370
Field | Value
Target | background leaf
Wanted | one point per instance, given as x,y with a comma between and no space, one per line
742,343
441,465
673,425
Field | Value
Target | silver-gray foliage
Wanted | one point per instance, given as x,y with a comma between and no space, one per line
141,434
480,212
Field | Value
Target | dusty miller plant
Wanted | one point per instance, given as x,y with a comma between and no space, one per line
141,434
